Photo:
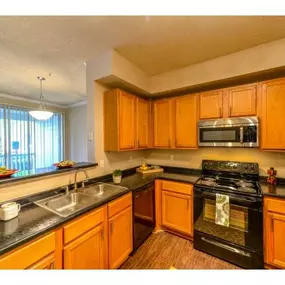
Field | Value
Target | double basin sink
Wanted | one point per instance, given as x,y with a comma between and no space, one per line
65,205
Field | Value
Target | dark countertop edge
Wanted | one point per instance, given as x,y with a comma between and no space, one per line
47,173
105,178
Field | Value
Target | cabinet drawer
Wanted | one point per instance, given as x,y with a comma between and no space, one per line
119,205
29,254
275,205
82,225
177,187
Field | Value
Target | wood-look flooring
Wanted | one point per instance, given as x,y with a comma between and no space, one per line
163,250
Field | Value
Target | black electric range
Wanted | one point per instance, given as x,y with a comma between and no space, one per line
241,242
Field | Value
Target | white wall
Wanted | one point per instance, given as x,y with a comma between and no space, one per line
76,134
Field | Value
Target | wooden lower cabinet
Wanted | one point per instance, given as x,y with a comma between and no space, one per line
274,232
174,207
46,263
87,251
120,237
176,212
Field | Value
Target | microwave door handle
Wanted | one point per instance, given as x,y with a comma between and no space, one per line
241,134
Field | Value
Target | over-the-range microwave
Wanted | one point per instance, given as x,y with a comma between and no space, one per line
231,132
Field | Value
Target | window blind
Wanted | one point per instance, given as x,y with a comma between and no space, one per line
27,144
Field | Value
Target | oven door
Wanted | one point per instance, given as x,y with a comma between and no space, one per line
246,218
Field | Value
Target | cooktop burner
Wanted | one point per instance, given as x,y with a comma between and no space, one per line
230,184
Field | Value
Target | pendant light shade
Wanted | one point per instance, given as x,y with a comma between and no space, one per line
41,113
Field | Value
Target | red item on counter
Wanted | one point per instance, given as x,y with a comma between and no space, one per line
272,179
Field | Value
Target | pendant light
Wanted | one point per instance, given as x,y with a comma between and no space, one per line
41,113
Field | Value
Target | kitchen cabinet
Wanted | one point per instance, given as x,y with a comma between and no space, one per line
126,121
120,227
238,101
185,121
163,123
242,100
272,112
274,232
85,241
211,104
36,254
87,251
142,123
176,212
174,207
46,263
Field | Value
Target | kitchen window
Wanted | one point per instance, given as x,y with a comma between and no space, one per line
27,144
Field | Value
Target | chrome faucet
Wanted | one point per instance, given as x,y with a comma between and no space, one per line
75,178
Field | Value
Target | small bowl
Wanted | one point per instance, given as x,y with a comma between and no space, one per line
9,173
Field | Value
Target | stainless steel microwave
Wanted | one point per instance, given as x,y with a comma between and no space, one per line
231,132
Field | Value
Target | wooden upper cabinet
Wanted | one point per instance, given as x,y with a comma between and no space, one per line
177,212
126,121
185,121
162,119
142,123
211,104
272,112
120,237
242,100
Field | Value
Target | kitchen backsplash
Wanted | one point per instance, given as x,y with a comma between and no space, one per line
193,158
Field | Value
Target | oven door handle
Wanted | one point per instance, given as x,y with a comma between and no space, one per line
245,201
241,135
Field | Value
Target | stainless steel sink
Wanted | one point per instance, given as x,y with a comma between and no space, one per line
65,205
103,190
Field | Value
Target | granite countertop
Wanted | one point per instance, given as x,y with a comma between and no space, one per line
24,175
277,191
34,221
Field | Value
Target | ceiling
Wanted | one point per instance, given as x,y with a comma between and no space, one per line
33,46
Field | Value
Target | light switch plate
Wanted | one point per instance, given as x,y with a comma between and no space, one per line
101,163
90,136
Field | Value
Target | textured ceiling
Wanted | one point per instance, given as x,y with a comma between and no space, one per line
33,46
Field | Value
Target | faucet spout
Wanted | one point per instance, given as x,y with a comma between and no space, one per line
75,176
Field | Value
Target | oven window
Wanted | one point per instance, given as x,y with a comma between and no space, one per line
237,230
219,135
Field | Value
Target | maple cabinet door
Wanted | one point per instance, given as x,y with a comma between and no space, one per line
273,116
143,113
87,251
177,212
242,101
275,245
211,104
120,237
186,114
126,121
162,117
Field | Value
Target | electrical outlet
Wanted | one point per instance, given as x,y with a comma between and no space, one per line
101,163
131,158
171,157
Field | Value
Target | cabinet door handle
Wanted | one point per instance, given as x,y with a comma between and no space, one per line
102,234
230,110
111,227
220,112
138,143
169,142
187,204
272,224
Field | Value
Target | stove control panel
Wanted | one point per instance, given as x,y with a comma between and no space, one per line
231,166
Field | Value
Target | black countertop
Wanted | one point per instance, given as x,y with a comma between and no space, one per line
34,221
277,191
24,175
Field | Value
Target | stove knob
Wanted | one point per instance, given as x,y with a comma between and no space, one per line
246,167
252,167
235,166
